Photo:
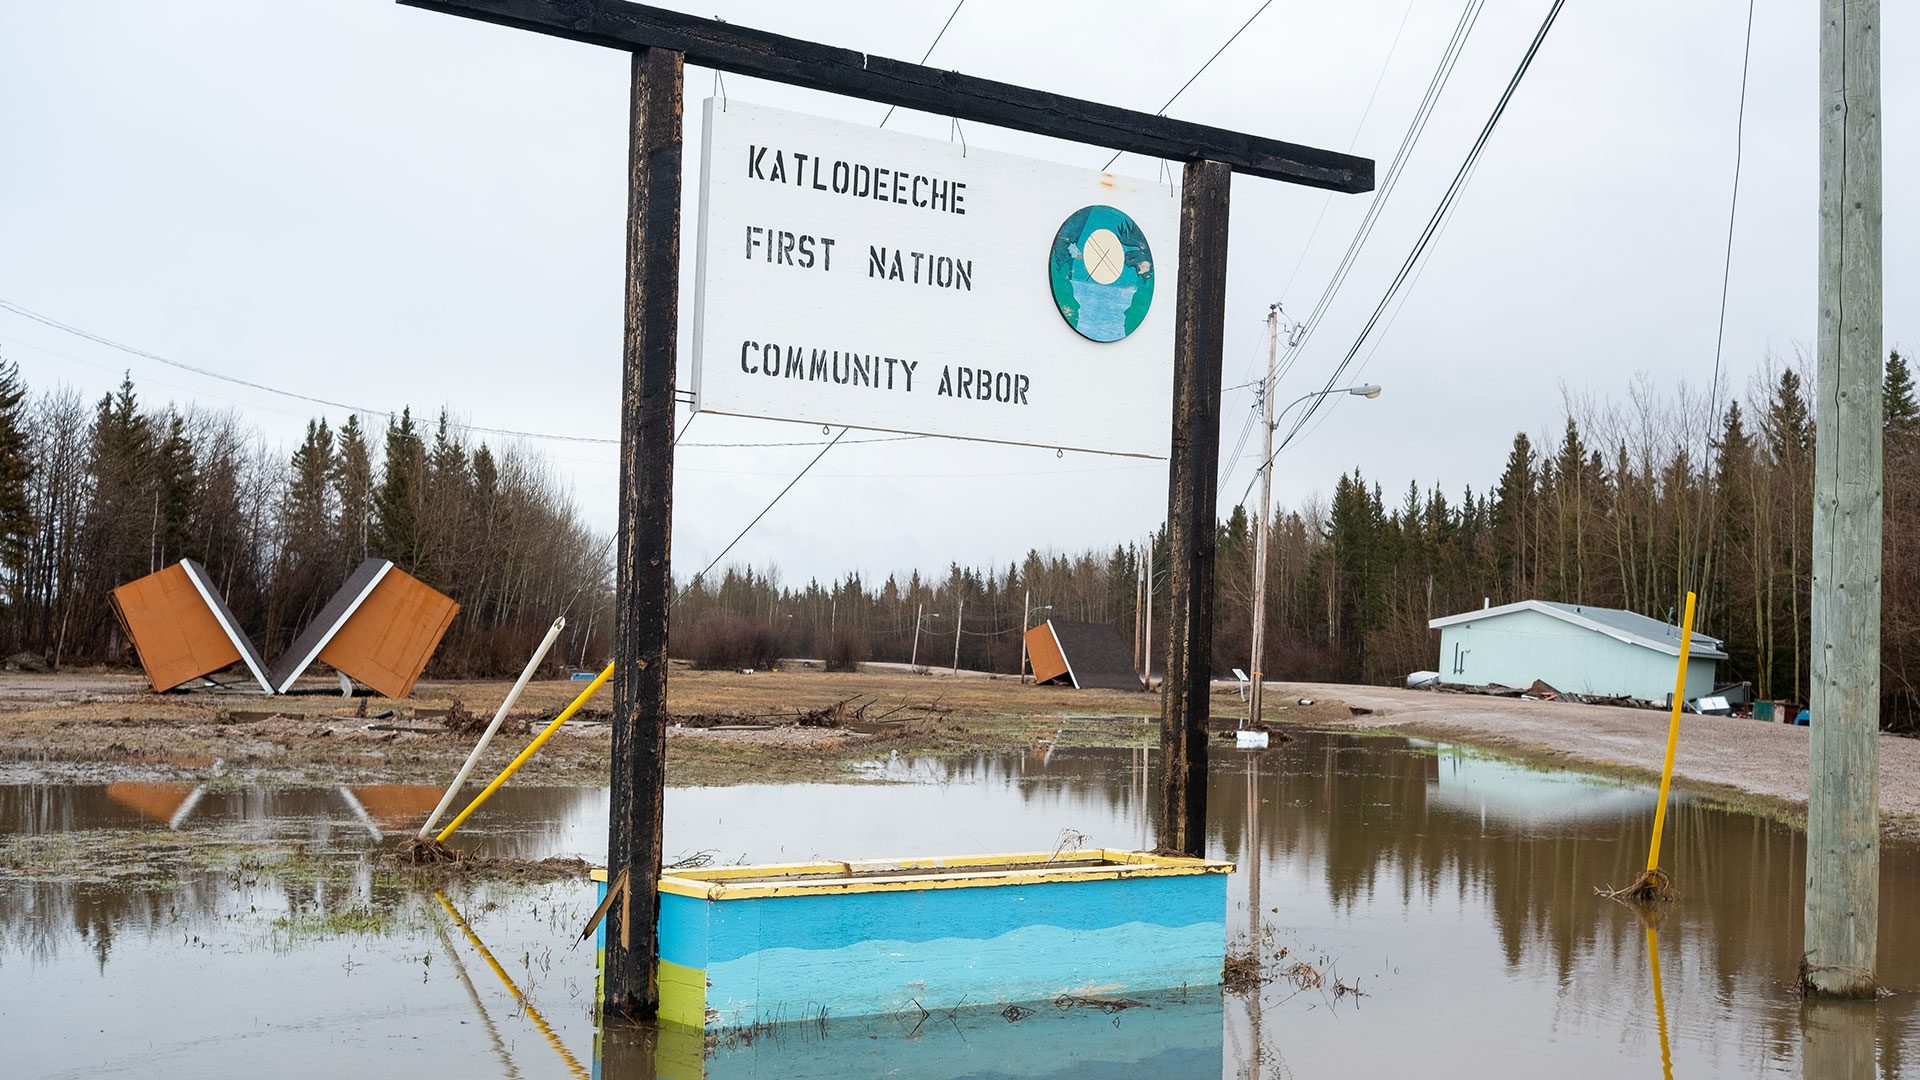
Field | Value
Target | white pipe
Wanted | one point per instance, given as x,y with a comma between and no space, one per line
499,716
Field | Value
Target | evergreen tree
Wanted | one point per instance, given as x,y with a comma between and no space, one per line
1512,514
176,479
1898,406
1789,425
396,521
16,473
353,492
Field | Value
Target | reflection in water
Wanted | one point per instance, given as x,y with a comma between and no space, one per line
1659,1002
1837,1040
1456,889
506,980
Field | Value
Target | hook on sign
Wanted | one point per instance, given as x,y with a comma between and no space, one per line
955,131
720,90
1059,453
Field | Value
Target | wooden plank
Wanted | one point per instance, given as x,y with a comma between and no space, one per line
1192,469
644,586
1043,652
739,50
338,609
388,639
1843,804
175,633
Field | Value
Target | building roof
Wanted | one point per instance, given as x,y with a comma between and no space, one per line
1096,655
1627,626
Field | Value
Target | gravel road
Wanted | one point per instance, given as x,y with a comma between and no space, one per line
1768,760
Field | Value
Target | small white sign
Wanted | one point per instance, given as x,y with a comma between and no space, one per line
859,277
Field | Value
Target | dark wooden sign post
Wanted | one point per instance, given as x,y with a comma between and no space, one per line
662,43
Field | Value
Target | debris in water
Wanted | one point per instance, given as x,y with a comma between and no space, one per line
1304,976
426,851
1104,1004
429,855
1071,841
1654,885
1241,972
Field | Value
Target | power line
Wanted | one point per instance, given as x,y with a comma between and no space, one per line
1720,333
1327,201
68,328
1436,85
930,48
1203,70
770,506
1440,212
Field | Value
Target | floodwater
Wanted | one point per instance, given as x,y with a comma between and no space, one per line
1455,891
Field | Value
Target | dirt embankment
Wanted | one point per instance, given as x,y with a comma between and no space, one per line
802,724
1742,761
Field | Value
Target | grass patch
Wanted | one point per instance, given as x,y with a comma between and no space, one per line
340,923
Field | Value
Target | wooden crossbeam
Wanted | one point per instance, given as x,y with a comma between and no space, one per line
738,50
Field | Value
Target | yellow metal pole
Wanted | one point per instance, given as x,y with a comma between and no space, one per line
1673,735
532,747
533,1014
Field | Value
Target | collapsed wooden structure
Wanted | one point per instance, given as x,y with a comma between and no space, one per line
1085,655
180,627
379,628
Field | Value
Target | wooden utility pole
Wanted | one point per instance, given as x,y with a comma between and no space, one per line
644,584
1192,487
913,659
1843,812
1255,669
1026,617
959,620
1146,651
1139,598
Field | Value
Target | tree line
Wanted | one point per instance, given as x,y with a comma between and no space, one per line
95,494
1625,504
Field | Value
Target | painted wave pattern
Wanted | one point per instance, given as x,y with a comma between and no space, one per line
1030,963
732,929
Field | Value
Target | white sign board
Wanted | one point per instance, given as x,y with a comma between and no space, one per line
859,277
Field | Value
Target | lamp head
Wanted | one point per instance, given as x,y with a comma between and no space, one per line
1365,390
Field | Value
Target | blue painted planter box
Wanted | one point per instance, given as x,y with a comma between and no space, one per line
746,945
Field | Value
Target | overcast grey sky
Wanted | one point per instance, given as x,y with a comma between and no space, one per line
385,206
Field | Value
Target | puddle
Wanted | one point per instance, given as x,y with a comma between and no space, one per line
1455,891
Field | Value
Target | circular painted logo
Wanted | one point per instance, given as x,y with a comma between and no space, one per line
1101,270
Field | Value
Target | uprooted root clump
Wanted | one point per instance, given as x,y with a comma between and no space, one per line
431,856
425,851
1650,887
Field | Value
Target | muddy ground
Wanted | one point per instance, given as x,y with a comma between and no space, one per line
805,724
800,724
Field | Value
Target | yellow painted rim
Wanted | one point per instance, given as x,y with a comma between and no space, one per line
907,875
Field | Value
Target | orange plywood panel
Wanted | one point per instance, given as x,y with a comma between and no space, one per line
389,638
173,630
1043,652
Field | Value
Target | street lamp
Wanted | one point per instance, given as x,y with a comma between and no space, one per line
1363,390
919,615
1026,623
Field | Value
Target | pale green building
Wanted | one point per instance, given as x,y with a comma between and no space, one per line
1576,649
